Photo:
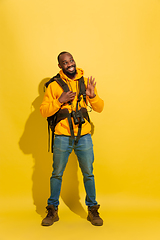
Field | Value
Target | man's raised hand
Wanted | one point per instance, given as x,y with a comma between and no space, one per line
90,87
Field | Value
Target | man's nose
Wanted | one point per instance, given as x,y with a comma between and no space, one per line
69,64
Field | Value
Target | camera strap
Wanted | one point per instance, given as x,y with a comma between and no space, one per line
71,126
79,125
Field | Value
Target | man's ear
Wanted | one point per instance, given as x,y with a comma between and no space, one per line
59,66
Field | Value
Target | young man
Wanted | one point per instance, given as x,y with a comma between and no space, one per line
56,100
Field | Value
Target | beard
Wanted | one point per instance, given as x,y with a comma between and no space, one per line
68,73
72,73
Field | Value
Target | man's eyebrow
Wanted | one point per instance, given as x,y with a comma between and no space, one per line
66,60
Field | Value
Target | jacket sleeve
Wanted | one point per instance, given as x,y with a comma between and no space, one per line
96,103
50,104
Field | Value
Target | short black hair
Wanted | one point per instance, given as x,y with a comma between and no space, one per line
61,54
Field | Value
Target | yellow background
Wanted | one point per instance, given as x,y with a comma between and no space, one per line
117,42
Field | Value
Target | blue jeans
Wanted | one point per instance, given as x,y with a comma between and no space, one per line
63,146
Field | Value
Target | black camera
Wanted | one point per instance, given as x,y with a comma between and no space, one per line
77,117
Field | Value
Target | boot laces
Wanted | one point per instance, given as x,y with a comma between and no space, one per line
95,212
50,213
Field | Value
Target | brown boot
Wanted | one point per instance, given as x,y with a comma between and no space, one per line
93,216
51,217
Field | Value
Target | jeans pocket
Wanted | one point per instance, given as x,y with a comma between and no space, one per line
61,143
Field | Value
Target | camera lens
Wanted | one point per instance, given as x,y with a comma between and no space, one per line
75,119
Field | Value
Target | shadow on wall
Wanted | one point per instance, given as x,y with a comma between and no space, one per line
34,140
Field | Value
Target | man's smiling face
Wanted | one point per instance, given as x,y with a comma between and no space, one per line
67,64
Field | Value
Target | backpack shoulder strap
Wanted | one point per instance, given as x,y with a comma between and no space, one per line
82,88
63,85
57,78
51,80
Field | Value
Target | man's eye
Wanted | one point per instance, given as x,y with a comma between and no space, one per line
65,63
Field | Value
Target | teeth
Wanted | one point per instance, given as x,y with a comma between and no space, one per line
71,68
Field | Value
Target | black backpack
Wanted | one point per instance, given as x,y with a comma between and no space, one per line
64,113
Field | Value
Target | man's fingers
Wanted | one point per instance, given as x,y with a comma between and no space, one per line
67,96
88,82
91,81
94,84
71,95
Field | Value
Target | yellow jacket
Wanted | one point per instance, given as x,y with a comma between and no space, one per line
51,105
